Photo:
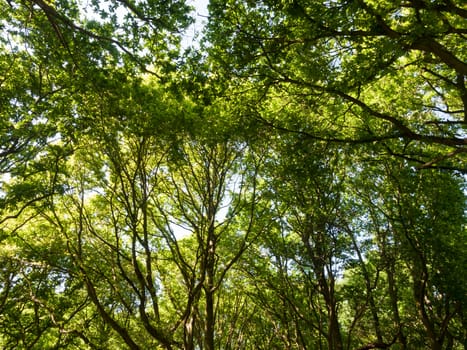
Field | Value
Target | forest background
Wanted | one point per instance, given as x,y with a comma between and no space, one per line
295,179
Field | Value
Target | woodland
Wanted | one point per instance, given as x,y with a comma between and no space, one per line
293,178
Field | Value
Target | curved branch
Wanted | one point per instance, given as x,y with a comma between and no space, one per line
53,15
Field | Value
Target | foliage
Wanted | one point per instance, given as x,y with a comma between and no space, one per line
298,182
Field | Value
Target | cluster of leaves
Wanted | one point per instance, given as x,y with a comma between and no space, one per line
297,183
388,71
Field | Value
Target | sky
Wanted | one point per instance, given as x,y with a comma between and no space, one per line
200,15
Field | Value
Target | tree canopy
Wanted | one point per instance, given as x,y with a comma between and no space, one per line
294,180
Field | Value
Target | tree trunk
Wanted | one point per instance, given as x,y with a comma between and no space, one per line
209,287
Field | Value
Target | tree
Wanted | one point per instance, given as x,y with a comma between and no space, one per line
123,202
386,72
53,56
295,184
211,189
408,226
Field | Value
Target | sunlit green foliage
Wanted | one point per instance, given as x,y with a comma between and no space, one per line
298,182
